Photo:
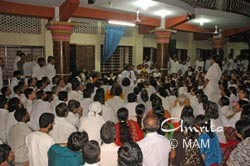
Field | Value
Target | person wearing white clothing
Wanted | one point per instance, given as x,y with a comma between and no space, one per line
39,142
130,74
50,70
211,86
91,153
39,107
31,96
155,148
3,117
38,70
93,123
199,63
176,111
108,148
62,127
85,102
116,102
17,137
74,93
75,112
174,66
17,59
132,98
28,66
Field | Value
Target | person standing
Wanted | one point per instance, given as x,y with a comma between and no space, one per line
50,70
211,86
21,62
39,69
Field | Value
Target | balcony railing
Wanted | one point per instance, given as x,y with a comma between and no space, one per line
235,6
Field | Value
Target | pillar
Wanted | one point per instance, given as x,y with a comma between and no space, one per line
61,32
162,39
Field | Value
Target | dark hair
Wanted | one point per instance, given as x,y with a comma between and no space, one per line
242,103
39,84
122,115
233,89
243,128
30,81
75,84
155,100
73,104
132,97
50,58
188,121
49,96
28,92
126,82
62,110
3,153
16,73
19,114
86,93
139,109
130,154
108,132
144,95
3,101
227,92
204,122
13,104
90,87
99,97
63,95
77,140
46,119
40,59
117,90
224,101
56,80
245,114
211,110
162,91
4,90
136,90
91,152
151,123
39,94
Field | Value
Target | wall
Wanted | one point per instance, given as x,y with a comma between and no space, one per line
184,41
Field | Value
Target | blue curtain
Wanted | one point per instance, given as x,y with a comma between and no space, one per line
112,38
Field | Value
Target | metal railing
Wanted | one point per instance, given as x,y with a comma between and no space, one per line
234,6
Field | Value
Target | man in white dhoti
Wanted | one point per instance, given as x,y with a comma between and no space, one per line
39,69
212,78
174,65
50,70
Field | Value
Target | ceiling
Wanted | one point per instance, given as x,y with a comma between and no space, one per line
223,20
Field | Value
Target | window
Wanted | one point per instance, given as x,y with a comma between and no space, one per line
123,55
8,53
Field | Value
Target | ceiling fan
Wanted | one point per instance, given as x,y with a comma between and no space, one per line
217,31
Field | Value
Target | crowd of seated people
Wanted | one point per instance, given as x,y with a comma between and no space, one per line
192,116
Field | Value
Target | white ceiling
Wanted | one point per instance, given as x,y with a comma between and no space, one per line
221,19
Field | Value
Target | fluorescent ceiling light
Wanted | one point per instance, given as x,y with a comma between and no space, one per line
123,23
144,4
163,13
201,21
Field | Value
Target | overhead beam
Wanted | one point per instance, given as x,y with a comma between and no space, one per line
26,10
106,15
192,28
175,21
230,32
145,29
67,9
